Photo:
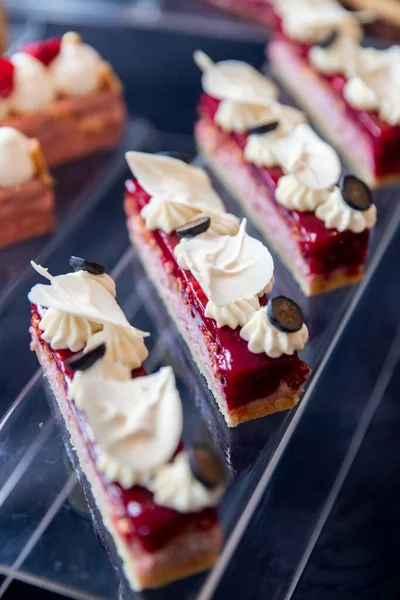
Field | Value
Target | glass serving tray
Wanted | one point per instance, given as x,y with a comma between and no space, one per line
46,536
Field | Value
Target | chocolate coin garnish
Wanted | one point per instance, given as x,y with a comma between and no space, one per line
194,227
329,39
81,264
84,360
261,129
356,193
284,314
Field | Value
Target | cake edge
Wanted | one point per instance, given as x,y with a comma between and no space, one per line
256,409
136,579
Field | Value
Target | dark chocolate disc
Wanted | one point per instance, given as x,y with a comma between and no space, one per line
206,466
356,193
329,39
80,264
194,227
184,156
83,361
284,314
264,128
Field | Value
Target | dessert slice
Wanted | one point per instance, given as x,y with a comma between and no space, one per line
284,177
213,283
155,497
351,92
61,92
26,194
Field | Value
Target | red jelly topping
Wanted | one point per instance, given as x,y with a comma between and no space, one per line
325,250
243,376
45,50
144,521
6,77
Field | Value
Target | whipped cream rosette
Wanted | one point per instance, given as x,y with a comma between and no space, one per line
232,271
78,306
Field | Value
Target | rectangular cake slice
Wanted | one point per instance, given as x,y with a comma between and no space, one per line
159,534
285,178
349,91
246,384
61,89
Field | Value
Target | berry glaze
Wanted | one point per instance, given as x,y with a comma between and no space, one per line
45,51
324,250
243,376
6,77
383,138
140,519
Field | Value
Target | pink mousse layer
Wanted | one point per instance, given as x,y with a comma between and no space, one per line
372,142
75,126
143,525
313,250
236,376
26,211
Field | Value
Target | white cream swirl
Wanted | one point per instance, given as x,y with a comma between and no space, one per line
336,57
77,69
262,336
258,150
33,87
310,21
375,82
228,268
16,164
80,294
259,147
64,331
304,154
235,116
137,424
168,214
293,195
107,369
124,346
175,486
233,315
336,214
359,95
268,288
179,193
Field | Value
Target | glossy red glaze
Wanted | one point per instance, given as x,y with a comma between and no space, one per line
152,525
325,250
244,376
6,77
45,50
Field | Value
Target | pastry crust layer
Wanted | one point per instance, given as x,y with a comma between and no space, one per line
186,554
282,399
26,211
76,126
